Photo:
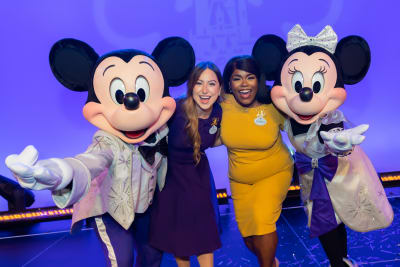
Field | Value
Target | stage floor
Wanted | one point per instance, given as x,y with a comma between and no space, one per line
50,244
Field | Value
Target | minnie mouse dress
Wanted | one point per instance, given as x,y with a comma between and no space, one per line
352,188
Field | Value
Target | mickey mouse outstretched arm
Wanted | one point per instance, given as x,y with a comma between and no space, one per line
343,142
68,179
52,174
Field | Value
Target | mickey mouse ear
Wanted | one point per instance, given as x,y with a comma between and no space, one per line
72,62
354,56
269,51
176,59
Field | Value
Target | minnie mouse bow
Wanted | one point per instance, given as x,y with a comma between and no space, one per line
326,39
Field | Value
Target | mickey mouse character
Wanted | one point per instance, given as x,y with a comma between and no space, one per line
114,180
339,185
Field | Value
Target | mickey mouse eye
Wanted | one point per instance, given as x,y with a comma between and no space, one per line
142,88
297,81
318,82
117,91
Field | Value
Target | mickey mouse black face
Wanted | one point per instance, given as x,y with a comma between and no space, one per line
127,89
309,81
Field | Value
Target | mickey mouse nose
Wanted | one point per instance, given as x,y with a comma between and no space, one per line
306,94
131,101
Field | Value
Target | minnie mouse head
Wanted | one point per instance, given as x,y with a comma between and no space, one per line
128,90
310,72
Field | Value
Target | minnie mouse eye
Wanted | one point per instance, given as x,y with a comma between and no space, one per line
318,82
117,91
142,88
297,81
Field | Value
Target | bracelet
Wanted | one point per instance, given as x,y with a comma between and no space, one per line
342,154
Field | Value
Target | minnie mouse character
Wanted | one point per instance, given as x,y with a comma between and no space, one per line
339,185
114,180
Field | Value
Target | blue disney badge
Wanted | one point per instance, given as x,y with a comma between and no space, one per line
260,120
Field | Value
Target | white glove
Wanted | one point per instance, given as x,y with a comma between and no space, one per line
342,142
52,174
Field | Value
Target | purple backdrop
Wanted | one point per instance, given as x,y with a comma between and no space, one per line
37,110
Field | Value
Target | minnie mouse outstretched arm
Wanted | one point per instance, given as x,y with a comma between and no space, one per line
343,142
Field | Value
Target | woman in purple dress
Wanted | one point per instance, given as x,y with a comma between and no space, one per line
183,220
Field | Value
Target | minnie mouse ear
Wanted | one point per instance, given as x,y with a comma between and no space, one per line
72,62
175,57
354,56
269,51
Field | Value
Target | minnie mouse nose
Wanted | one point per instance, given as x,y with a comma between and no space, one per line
306,94
131,101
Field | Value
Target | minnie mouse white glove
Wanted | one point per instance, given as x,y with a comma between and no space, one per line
52,174
342,143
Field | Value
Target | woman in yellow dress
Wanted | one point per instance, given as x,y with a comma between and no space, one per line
260,165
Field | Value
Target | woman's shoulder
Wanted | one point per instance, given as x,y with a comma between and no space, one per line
217,108
216,113
179,104
278,116
228,99
179,113
228,102
179,100
273,109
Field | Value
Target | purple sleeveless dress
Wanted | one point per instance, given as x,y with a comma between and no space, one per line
183,221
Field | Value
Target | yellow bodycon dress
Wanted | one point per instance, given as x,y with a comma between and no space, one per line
260,165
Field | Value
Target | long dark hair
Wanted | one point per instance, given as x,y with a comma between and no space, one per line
249,64
189,106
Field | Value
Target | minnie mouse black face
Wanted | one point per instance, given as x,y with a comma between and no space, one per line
128,93
310,80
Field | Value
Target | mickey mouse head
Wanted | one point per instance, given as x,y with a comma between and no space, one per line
128,90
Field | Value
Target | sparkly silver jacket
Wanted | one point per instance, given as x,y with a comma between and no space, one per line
112,176
356,192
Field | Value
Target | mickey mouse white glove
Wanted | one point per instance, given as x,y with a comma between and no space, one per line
52,174
342,143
